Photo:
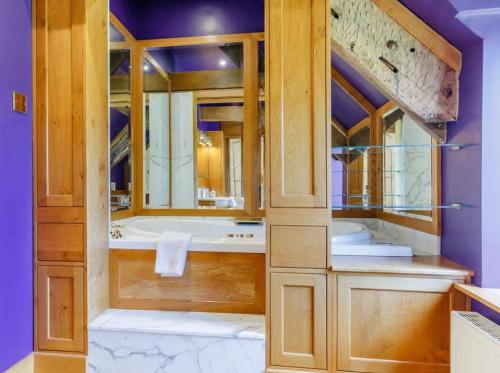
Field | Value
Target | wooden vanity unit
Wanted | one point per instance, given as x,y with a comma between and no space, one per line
393,314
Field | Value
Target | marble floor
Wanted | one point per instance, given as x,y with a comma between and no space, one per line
130,341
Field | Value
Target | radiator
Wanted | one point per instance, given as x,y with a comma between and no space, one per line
475,344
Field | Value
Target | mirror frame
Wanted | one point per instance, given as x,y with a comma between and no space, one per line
130,44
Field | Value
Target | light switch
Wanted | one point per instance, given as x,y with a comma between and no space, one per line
19,102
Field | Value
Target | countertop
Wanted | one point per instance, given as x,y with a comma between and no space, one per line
416,265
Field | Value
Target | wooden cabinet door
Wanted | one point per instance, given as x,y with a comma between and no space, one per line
59,128
393,324
298,314
298,102
60,308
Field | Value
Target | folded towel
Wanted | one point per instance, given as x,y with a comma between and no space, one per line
171,253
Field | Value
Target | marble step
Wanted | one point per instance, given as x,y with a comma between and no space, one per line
131,341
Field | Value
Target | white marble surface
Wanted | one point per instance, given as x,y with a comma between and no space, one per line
129,341
183,167
422,243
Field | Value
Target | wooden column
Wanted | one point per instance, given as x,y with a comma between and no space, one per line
251,138
297,183
71,171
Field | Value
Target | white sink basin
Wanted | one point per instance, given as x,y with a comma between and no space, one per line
350,238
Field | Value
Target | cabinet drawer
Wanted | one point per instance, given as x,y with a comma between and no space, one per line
299,246
60,242
60,303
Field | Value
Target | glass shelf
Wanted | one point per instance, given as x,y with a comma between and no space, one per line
456,206
404,146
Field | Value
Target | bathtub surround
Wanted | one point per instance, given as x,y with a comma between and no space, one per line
129,341
16,226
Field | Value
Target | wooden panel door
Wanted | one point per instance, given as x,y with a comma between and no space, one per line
299,54
355,184
298,314
59,102
392,324
60,305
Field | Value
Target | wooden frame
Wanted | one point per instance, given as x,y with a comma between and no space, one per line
130,43
249,94
431,227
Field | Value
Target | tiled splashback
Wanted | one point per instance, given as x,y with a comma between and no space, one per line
421,242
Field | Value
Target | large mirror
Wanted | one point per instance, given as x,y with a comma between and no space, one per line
193,127
120,129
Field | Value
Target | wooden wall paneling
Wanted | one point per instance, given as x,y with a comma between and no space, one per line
251,138
298,315
393,324
59,104
212,282
97,158
60,322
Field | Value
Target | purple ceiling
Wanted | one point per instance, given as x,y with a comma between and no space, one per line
344,108
196,58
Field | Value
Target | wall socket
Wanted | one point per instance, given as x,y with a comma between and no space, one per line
19,102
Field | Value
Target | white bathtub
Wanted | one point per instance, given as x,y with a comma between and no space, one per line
223,235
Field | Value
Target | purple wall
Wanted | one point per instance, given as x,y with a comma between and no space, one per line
170,19
344,108
126,12
16,248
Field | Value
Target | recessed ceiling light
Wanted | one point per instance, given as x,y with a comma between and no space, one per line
222,62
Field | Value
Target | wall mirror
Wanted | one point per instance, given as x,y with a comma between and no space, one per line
384,164
411,167
195,136
120,129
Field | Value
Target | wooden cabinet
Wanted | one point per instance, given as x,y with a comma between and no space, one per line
59,76
298,101
394,324
60,305
298,314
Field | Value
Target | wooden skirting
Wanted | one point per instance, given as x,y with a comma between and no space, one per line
212,282
59,363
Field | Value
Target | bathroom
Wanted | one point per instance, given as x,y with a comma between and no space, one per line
251,186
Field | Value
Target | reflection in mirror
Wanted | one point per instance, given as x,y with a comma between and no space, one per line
262,119
120,130
115,35
193,127
350,171
407,166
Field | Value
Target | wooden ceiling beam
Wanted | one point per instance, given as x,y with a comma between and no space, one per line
359,126
352,92
422,32
338,126
221,114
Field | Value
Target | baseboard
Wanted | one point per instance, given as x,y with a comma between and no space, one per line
59,363
26,365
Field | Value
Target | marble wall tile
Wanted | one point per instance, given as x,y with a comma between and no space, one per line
183,171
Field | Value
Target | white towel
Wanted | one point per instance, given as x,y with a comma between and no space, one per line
171,253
